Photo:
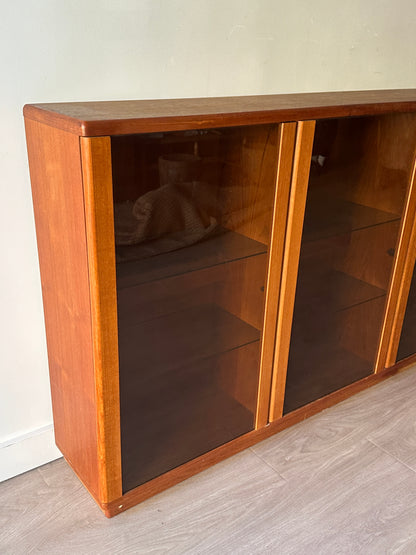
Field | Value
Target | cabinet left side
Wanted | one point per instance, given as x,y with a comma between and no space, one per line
69,265
160,258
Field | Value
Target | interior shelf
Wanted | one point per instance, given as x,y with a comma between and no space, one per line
334,292
179,339
177,426
327,216
174,403
225,247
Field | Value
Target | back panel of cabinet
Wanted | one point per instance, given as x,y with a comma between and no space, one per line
360,172
193,214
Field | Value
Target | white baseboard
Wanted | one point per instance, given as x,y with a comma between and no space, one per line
26,451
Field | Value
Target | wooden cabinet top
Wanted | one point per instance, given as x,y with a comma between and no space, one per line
145,116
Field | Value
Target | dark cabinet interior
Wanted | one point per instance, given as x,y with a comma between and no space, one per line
193,214
360,172
407,344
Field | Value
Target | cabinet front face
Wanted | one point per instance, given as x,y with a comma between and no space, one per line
360,172
192,217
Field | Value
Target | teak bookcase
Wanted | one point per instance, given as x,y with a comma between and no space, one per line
215,270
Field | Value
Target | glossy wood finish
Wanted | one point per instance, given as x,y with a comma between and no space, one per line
144,116
98,185
299,187
56,176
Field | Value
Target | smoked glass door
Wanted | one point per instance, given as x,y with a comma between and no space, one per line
407,343
192,217
359,175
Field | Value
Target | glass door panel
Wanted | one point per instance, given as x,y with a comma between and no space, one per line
359,176
407,344
192,215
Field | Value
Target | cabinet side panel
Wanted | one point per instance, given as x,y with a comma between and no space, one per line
55,170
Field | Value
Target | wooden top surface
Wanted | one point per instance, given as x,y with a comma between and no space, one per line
143,116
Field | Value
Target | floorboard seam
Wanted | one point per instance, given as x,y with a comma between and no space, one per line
267,464
391,455
41,475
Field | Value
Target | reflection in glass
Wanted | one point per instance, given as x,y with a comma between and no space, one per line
192,216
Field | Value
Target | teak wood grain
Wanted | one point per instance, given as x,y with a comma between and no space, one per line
247,188
57,188
372,157
70,157
299,187
145,116
286,144
98,185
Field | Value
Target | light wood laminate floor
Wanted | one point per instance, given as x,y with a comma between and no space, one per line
343,481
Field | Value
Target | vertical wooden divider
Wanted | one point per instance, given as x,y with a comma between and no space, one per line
299,188
98,195
285,152
400,281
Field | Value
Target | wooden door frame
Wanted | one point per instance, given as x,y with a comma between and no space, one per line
99,217
305,132
284,161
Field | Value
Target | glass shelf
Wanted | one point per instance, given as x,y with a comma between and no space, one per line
327,216
334,291
225,247
178,339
